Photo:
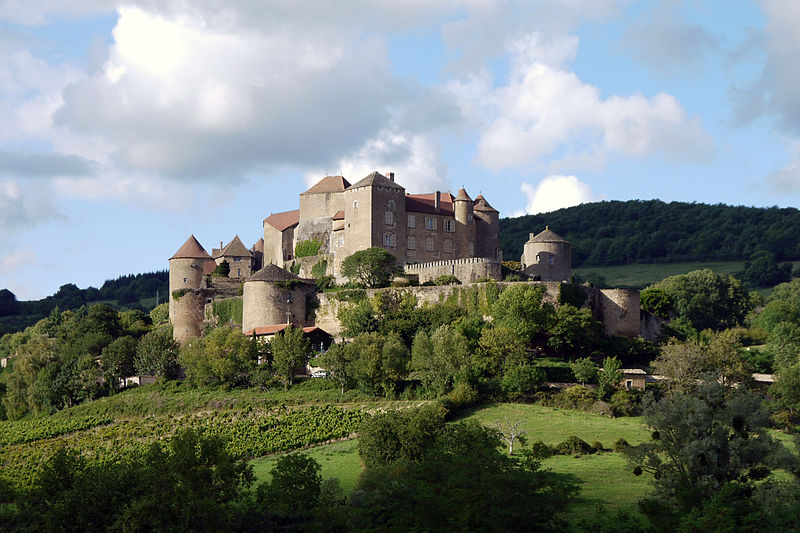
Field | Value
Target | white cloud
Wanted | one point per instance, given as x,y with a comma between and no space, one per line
781,83
787,178
545,108
22,208
415,159
555,192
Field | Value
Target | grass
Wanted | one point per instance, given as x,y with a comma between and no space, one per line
606,478
639,276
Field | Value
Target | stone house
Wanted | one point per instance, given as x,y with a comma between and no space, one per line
239,258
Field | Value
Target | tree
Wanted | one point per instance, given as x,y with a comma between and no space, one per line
295,485
704,440
658,302
682,363
223,356
379,362
521,307
399,435
223,269
117,360
584,370
511,431
441,360
609,377
783,342
573,330
338,362
157,353
521,379
785,393
8,303
707,299
357,319
761,270
291,350
500,347
373,267
160,313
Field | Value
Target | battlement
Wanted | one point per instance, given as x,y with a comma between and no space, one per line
466,269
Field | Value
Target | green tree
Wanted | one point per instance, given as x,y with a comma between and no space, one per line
295,485
157,353
658,302
521,379
682,363
702,442
223,356
373,267
609,377
379,362
399,435
707,299
357,319
783,342
573,331
291,350
785,393
761,270
441,360
500,347
521,307
584,370
117,360
223,269
160,313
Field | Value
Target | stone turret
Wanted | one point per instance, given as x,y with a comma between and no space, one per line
465,225
547,256
186,270
275,296
487,229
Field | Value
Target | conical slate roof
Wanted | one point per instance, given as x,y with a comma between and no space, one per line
329,184
273,273
376,179
462,195
191,249
235,248
482,205
548,236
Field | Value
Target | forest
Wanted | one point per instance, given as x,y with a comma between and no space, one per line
652,231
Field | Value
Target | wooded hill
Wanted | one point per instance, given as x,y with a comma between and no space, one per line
130,292
652,231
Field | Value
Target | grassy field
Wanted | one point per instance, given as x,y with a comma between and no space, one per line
641,275
606,478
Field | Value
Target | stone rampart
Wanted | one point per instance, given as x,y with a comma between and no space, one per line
466,270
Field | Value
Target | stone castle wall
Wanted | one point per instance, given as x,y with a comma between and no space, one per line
265,304
188,314
466,270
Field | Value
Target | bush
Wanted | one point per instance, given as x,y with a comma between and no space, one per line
626,403
160,313
576,397
448,279
522,379
223,269
325,283
601,408
462,395
574,446
540,450
307,248
620,445
597,445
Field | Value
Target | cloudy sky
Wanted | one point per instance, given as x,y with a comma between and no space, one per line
125,126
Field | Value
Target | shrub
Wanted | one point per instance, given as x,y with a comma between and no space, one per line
540,450
620,444
626,403
448,279
574,446
160,313
307,248
462,395
319,269
222,270
373,267
597,445
577,397
521,379
325,283
601,408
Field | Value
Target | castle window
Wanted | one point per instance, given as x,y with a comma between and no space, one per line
390,205
341,241
412,221
185,281
448,246
412,243
472,249
355,204
389,239
430,223
450,226
239,272
388,217
552,260
429,244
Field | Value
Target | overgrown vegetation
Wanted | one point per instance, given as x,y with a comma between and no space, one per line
307,248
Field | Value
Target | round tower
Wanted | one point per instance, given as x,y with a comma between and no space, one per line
547,256
488,229
274,296
188,313
186,269
465,225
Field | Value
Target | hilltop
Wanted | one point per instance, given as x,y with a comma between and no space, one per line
652,231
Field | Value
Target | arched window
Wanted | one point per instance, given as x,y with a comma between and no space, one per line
355,204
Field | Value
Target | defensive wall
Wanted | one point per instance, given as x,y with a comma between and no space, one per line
468,269
619,310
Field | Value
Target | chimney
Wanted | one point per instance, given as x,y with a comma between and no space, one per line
220,246
437,201
391,177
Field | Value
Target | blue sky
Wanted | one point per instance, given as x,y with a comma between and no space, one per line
125,126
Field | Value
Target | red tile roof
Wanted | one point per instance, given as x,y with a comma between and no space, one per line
424,203
282,221
235,248
276,328
329,184
191,249
339,215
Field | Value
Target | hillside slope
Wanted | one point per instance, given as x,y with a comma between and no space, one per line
652,231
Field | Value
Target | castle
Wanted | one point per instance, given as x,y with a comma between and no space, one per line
431,235
376,211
